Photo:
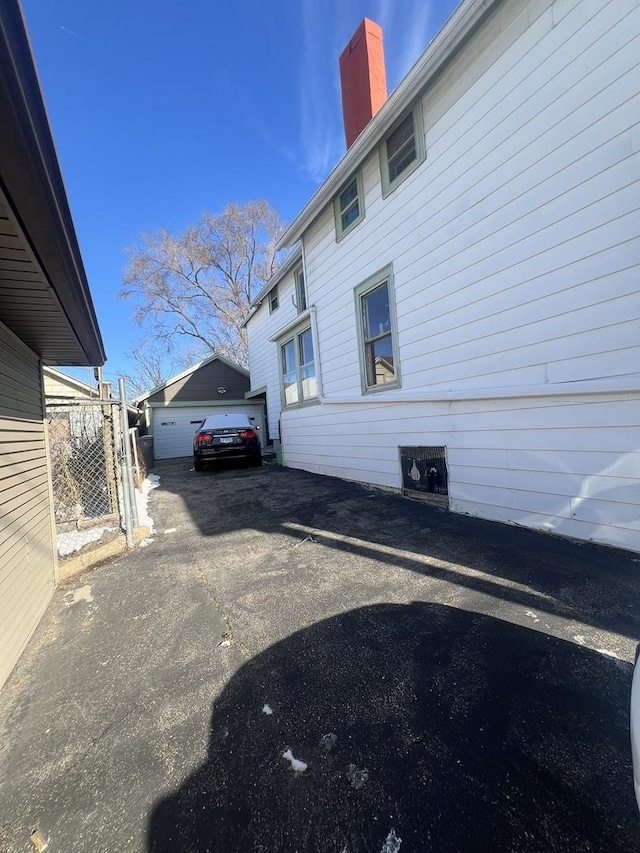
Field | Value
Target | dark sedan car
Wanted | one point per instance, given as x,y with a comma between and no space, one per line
226,437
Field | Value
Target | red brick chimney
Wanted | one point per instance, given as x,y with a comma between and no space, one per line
363,79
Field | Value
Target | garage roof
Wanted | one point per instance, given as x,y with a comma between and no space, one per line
188,372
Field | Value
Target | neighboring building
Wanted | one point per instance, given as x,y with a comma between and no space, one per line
173,411
469,329
46,317
60,386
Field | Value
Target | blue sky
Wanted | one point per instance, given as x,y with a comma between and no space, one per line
162,110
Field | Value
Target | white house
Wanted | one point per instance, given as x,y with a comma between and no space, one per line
461,319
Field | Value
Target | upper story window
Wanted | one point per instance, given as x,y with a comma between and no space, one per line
377,335
348,206
301,291
298,368
274,300
402,150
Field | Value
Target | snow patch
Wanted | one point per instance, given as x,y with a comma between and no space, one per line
170,530
392,844
532,615
268,710
75,540
296,765
152,481
147,541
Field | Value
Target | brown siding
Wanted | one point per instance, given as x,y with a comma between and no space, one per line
203,385
26,538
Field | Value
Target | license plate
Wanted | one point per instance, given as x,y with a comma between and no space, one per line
226,439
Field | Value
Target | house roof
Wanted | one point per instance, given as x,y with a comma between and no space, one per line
293,258
457,30
189,371
59,376
44,294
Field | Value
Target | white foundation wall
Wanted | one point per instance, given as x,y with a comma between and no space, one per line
569,466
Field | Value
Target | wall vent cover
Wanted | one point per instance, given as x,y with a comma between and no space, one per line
424,473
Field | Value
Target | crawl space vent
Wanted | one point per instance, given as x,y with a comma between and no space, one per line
424,473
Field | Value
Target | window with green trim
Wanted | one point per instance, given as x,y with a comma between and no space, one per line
298,368
348,206
377,334
301,291
402,150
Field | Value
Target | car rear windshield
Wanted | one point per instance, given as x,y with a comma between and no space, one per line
226,421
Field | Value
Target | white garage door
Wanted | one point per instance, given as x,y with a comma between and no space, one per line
174,428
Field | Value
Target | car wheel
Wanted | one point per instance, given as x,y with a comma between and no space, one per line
197,464
257,461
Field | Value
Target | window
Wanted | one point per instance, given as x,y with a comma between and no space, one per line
348,206
377,335
402,151
273,300
298,367
301,293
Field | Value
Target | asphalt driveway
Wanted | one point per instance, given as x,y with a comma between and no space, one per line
295,663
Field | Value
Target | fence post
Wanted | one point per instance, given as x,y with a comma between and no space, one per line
128,484
108,441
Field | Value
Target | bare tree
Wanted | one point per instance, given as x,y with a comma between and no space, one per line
192,290
153,364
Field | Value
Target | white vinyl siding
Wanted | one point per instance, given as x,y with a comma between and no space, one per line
27,559
515,251
571,468
516,261
263,351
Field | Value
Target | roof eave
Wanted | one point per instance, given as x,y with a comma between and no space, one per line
34,186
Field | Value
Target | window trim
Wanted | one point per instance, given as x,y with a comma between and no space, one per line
274,295
375,280
337,212
299,271
292,335
388,186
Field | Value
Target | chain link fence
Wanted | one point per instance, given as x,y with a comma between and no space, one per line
85,449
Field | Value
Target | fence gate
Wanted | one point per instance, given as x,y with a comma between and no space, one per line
85,450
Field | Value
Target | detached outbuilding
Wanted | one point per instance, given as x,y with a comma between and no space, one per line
173,411
46,317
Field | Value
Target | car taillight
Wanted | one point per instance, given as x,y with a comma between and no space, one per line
248,433
203,439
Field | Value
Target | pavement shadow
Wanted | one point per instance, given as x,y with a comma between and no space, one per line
588,583
421,724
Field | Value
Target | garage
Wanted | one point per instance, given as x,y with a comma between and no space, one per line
174,427
173,411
